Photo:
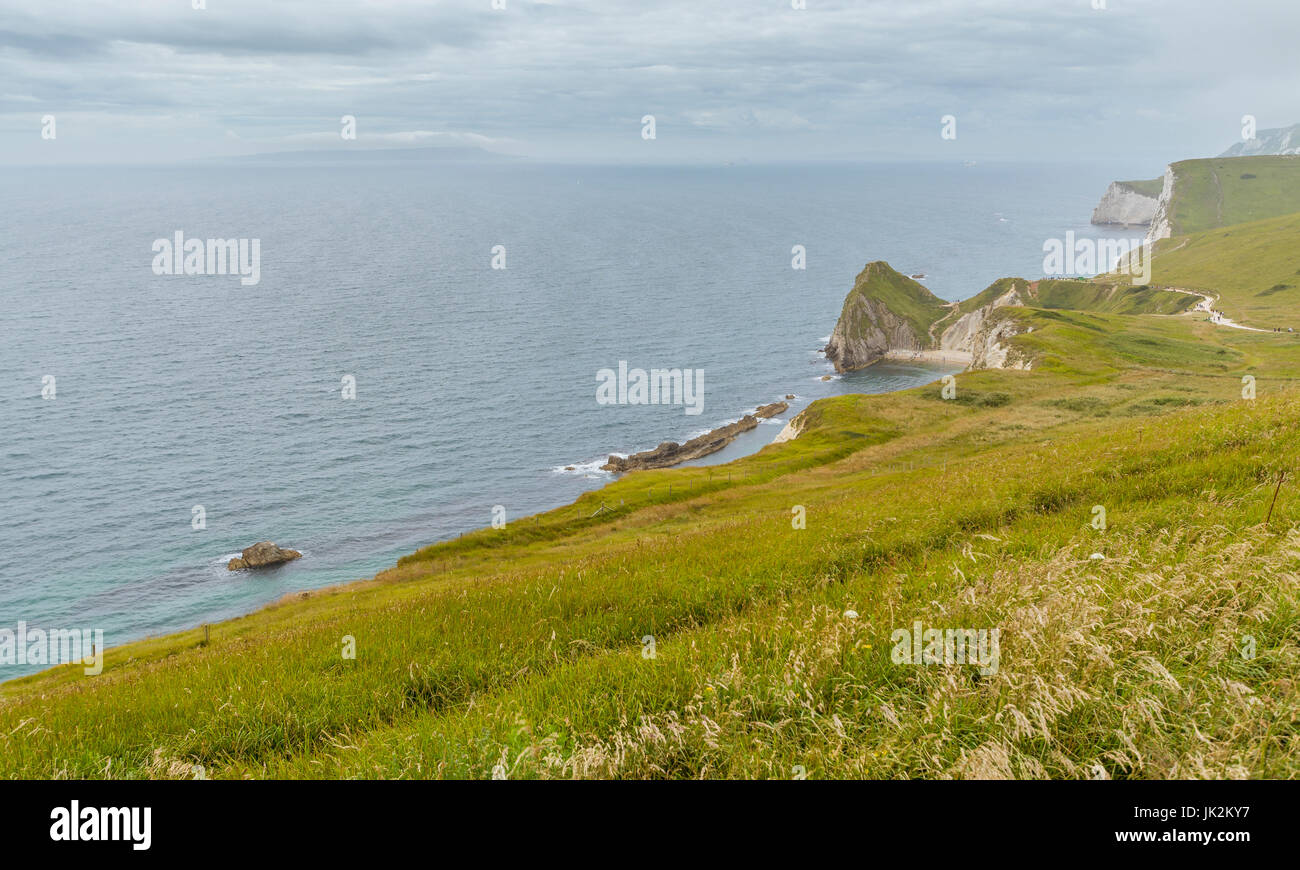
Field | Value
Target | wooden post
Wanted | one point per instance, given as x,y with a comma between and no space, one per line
1280,477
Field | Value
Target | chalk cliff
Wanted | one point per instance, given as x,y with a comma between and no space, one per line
984,333
1127,203
885,311
1161,227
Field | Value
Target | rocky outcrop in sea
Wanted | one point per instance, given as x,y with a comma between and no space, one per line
670,453
263,554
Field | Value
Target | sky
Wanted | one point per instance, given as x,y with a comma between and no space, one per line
1148,81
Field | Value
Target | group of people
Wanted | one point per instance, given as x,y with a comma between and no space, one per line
1217,316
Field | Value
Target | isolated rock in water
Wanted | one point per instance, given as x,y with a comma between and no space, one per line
765,411
789,395
261,555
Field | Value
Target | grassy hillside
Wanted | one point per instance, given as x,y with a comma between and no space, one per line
1150,187
1106,297
1110,297
1222,191
1252,268
521,651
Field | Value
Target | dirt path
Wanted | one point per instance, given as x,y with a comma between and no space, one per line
952,309
1206,306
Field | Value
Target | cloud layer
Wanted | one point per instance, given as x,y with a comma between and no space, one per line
571,79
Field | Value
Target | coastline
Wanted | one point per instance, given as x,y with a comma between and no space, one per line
938,356
746,444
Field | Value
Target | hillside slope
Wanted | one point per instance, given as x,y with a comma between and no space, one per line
700,631
1203,194
1251,270
1114,528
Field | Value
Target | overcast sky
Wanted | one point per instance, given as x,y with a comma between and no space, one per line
143,80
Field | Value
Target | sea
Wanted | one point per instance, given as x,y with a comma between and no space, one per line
422,345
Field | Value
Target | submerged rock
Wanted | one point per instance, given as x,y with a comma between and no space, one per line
261,555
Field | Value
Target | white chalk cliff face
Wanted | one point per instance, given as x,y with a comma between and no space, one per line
992,349
983,335
1125,206
791,430
865,332
1160,226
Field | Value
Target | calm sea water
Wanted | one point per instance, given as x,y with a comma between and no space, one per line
474,386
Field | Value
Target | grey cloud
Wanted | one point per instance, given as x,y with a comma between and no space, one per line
749,77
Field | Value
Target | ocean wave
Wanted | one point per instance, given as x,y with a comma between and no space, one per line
586,468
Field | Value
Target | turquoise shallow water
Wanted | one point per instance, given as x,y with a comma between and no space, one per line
475,386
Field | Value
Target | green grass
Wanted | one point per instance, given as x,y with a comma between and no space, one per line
1150,187
1112,298
1221,191
521,651
1252,267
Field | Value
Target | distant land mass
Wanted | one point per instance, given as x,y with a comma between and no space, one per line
1281,140
1148,203
431,154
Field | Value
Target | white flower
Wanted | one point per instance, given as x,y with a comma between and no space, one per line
850,614
1096,556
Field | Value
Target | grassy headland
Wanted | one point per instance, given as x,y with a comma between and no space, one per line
1221,191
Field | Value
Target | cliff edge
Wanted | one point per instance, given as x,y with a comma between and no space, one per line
1128,203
